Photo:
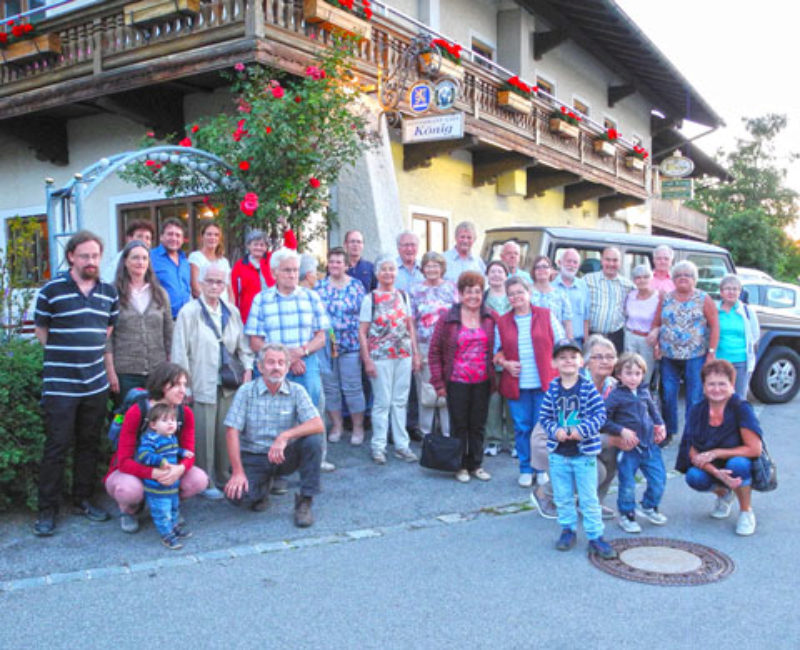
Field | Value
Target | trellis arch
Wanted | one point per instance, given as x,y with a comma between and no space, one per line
65,204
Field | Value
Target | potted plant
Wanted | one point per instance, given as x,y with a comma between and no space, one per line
515,95
635,159
442,60
147,12
21,43
341,16
565,123
604,143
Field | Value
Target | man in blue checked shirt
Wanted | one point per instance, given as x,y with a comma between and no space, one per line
273,430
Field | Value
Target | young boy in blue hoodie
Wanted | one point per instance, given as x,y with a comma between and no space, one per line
633,414
572,413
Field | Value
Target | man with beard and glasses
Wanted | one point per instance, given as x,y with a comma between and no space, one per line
576,291
273,430
75,314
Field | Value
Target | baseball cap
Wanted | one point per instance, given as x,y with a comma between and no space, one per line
566,344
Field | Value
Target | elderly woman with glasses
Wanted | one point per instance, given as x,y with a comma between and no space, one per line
686,328
641,306
738,332
544,294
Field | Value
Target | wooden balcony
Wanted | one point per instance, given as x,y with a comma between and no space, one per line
104,62
673,218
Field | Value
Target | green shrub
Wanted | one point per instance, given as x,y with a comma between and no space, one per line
21,423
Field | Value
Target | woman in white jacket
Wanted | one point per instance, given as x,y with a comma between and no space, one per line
195,346
738,332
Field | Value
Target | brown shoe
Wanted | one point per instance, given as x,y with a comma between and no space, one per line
302,511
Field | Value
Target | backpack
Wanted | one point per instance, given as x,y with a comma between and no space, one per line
139,397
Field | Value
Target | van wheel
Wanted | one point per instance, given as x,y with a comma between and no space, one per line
777,376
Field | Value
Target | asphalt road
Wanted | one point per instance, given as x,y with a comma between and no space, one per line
400,558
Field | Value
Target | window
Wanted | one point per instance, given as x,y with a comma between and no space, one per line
546,85
581,106
432,232
636,140
10,8
779,297
710,271
483,49
191,211
36,270
524,249
752,294
608,123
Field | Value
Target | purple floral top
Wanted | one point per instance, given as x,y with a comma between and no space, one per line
469,364
343,307
427,302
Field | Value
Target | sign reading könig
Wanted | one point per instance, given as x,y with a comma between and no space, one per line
448,126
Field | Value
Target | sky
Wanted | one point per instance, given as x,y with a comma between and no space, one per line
739,56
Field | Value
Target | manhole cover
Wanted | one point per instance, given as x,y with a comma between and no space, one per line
668,562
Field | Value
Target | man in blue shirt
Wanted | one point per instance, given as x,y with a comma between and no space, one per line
408,271
576,291
357,267
171,266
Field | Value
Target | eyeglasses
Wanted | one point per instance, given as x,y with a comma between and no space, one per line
542,266
213,282
603,357
682,275
516,294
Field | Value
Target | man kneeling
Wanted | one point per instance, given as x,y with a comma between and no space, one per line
273,430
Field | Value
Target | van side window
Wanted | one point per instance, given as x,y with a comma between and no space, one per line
779,298
590,258
524,247
710,271
632,259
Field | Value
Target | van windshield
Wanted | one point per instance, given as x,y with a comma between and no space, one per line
710,271
526,245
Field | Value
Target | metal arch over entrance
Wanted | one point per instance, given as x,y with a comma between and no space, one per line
65,205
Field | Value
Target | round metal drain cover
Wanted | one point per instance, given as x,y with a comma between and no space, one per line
668,562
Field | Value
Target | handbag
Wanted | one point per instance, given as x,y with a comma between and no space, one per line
440,452
428,397
764,471
231,370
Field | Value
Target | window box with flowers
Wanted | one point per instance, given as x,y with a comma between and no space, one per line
21,44
449,60
604,144
635,159
348,17
148,12
515,95
565,123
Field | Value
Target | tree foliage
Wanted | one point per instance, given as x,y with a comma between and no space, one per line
749,213
287,139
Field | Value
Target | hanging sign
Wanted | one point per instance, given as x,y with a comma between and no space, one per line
676,166
449,126
420,97
677,188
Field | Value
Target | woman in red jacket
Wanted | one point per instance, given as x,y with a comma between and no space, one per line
251,274
166,384
460,359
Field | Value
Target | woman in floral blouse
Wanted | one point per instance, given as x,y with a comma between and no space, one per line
389,351
342,296
428,300
543,294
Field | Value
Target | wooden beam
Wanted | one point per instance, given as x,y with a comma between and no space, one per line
488,165
47,136
540,181
159,109
618,93
577,193
610,204
543,42
420,154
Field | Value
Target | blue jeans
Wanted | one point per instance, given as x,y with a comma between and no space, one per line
164,511
671,372
582,472
525,414
652,466
742,379
702,481
310,379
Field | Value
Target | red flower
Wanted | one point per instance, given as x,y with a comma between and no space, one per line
612,134
268,130
17,31
3,37
277,92
314,182
27,28
249,204
243,106
186,142
10,23
195,128
367,13
564,110
150,134
315,72
239,67
298,99
244,165
207,200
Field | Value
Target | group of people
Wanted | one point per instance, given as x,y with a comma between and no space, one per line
488,354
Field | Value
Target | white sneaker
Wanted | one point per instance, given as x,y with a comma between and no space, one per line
334,436
525,480
652,515
747,523
514,453
213,494
723,505
406,455
629,524
462,476
327,466
491,450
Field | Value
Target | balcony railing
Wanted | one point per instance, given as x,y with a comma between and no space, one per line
96,43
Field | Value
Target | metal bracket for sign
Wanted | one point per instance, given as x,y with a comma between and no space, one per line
393,88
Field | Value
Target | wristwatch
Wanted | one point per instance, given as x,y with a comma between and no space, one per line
305,351
712,350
